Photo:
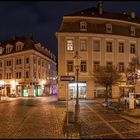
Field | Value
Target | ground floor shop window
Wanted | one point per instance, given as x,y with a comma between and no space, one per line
72,90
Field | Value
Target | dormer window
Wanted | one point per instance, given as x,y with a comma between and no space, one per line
83,26
108,28
132,31
8,48
19,46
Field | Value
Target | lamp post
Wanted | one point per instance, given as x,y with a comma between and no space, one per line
77,105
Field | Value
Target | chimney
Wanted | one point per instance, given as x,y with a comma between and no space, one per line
31,36
100,7
133,14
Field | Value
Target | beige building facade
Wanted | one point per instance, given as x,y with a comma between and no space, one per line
26,68
101,38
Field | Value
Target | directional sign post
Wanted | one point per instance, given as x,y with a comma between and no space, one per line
67,78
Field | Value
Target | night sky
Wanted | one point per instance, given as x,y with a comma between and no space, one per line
43,18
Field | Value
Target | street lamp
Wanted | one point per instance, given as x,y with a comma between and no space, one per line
77,105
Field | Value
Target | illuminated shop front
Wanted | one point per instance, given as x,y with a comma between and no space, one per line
72,89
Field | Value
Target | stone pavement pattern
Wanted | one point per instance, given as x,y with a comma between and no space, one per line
43,118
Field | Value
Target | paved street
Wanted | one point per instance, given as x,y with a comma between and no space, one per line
43,117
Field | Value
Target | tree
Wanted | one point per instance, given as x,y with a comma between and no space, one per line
132,72
107,76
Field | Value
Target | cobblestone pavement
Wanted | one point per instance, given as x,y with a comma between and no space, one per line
44,118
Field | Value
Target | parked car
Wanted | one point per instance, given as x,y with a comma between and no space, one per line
126,99
12,95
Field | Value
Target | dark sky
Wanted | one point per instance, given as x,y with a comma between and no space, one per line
43,18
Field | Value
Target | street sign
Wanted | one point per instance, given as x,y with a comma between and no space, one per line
67,78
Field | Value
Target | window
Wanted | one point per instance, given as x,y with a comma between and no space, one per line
83,66
83,45
132,48
18,46
27,74
96,45
121,67
8,49
132,67
27,60
69,66
8,63
18,75
0,64
18,61
109,46
108,28
132,31
70,45
0,76
109,64
8,75
38,62
83,26
121,47
96,66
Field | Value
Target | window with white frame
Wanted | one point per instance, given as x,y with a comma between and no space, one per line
96,45
109,46
83,45
108,28
132,48
132,31
121,47
83,26
70,45
83,66
70,66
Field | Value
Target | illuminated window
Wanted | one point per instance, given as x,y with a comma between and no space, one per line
96,45
132,48
83,66
108,28
83,26
83,45
69,66
70,45
121,47
109,46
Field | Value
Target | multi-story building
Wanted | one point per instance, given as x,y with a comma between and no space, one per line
101,38
26,68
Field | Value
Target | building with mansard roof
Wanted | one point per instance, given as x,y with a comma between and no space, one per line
101,38
27,68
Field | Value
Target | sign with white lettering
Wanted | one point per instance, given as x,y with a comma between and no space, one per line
67,78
